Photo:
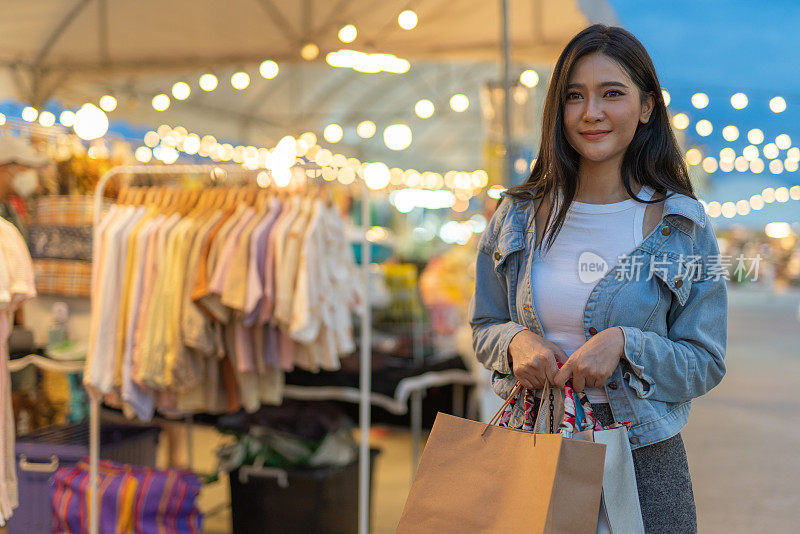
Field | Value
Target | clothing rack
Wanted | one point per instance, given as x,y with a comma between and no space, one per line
365,371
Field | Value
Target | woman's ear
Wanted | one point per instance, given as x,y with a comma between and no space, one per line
647,108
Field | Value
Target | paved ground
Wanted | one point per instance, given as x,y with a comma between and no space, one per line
742,437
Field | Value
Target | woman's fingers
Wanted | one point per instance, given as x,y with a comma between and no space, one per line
578,382
531,378
551,370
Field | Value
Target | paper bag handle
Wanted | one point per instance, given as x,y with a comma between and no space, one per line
499,412
514,392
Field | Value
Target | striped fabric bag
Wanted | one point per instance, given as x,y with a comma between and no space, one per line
70,500
160,501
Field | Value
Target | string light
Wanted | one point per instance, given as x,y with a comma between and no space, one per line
160,102
143,154
700,100
90,122
108,103
704,127
739,101
680,121
309,52
47,119
240,80
366,129
407,19
208,82
397,136
459,102
730,133
756,202
29,114
755,136
181,90
777,104
424,109
268,69
529,78
67,118
333,133
348,33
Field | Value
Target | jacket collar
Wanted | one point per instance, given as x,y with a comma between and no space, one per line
680,204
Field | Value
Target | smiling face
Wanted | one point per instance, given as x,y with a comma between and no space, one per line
602,98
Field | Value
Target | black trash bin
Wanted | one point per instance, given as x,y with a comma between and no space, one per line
312,500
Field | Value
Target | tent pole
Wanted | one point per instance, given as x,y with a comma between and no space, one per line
507,163
365,372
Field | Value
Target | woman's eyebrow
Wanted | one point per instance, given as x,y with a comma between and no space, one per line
603,84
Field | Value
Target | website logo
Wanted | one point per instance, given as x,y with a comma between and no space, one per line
591,267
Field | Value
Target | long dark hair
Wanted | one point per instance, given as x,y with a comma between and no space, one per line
653,157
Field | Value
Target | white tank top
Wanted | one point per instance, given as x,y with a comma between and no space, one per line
587,247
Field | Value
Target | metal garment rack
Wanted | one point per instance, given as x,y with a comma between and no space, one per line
365,368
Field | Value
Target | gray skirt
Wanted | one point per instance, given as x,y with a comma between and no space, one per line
663,481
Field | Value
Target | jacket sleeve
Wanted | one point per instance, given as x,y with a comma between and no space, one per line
489,311
690,360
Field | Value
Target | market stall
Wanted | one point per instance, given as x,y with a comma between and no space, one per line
387,130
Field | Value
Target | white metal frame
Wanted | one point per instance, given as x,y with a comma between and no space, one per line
365,355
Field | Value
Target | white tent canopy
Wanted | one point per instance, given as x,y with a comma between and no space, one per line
79,50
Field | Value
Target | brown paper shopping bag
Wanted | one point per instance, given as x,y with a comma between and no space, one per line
480,478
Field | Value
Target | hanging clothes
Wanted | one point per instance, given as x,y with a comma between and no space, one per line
16,286
202,305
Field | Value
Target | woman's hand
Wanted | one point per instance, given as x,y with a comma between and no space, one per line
533,359
592,364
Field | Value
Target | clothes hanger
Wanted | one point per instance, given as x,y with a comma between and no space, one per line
141,196
166,201
193,199
231,198
182,200
135,195
252,195
198,205
122,196
150,195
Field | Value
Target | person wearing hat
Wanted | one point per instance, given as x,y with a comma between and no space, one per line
18,161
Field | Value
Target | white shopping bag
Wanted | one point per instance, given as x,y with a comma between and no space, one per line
620,512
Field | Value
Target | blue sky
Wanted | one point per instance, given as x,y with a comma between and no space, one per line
720,48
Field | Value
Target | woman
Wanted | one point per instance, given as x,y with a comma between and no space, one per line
624,287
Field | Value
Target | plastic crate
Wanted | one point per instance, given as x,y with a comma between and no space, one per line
40,453
298,500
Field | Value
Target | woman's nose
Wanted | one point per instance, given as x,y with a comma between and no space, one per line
594,110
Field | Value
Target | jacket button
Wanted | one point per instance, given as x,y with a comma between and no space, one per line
497,255
612,385
665,230
634,440
678,282
592,330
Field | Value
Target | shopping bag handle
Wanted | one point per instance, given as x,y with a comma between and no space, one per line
579,415
517,387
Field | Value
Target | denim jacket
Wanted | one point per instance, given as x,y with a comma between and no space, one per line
669,296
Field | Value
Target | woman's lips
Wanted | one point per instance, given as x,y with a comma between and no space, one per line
594,136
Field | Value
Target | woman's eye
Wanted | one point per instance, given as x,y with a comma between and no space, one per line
612,93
